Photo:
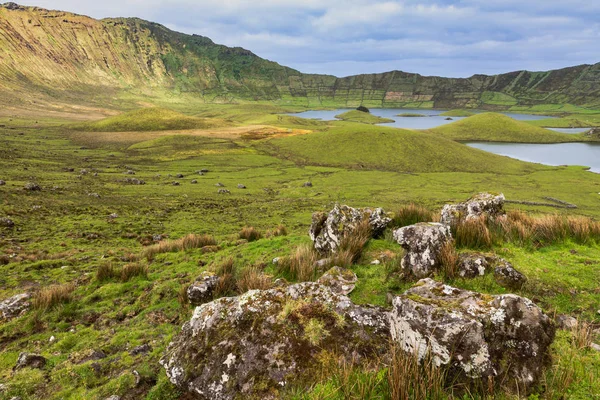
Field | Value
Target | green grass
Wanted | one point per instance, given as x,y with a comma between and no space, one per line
148,119
493,127
62,234
458,113
362,117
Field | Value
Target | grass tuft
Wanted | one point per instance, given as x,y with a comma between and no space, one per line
300,265
250,234
253,278
190,241
52,296
130,271
412,214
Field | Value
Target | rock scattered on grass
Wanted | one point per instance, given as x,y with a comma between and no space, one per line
339,280
223,191
481,204
194,181
2,183
307,184
566,322
219,184
30,360
240,186
423,243
32,187
201,291
6,222
179,176
175,183
14,306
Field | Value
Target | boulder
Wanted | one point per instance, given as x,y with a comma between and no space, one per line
223,191
32,187
423,243
141,349
241,186
566,322
29,360
179,176
6,222
2,183
505,337
256,344
471,265
481,204
327,230
307,184
14,306
339,280
201,291
507,276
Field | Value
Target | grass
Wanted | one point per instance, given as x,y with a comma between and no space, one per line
63,236
52,296
493,127
412,214
362,117
148,119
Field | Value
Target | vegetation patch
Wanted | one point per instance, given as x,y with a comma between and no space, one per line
362,117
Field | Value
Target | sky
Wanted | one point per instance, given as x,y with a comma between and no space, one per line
451,38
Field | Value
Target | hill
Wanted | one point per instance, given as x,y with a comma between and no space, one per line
493,127
362,117
51,56
148,119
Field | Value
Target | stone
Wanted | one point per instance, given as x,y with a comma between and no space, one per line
423,243
219,184
201,291
276,260
113,397
113,216
481,204
240,186
2,183
6,222
259,343
327,230
566,322
223,191
29,360
506,275
339,280
504,337
194,181
471,265
179,176
307,184
175,183
134,181
84,172
14,306
595,346
95,195
32,187
141,349
130,172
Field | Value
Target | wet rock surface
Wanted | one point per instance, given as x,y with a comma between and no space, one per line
423,243
487,204
262,341
327,230
504,337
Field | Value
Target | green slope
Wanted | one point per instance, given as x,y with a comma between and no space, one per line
362,117
389,149
148,119
495,127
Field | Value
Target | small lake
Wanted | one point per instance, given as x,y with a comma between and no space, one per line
432,118
586,154
570,130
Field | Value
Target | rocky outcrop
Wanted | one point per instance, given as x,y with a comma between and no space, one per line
471,265
339,280
423,243
505,338
506,275
14,306
201,291
264,340
482,204
29,360
327,230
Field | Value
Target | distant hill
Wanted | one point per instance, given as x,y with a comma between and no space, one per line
50,55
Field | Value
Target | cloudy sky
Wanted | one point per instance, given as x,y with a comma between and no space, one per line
454,38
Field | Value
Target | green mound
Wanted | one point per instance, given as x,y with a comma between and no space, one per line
390,149
493,127
362,117
148,119
457,113
410,115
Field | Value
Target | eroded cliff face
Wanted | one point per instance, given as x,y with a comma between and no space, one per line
63,55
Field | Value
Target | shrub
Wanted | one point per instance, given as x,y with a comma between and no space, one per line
132,270
412,214
53,295
250,234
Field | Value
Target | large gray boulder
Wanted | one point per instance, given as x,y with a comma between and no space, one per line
256,344
477,336
488,204
14,306
327,230
423,243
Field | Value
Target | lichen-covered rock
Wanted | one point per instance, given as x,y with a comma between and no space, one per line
503,337
471,265
339,280
327,230
6,222
29,360
2,183
423,243
32,186
262,341
201,291
14,306
480,204
566,322
506,275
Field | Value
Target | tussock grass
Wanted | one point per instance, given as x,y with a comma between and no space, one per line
449,259
412,379
250,234
51,296
130,271
352,245
412,214
253,278
190,241
106,272
279,231
227,284
473,233
182,296
582,335
300,265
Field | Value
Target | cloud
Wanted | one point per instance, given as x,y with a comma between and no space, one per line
343,37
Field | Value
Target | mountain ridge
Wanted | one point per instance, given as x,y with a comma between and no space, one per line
61,55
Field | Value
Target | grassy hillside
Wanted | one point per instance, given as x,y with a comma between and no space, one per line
495,127
362,117
148,119
380,148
